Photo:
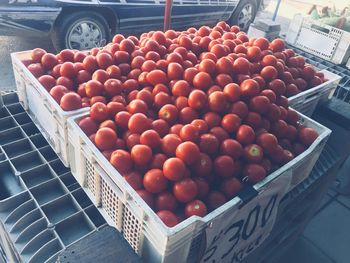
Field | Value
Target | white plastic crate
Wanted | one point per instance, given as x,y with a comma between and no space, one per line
322,40
124,209
44,110
306,101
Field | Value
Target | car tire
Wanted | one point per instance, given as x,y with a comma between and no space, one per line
244,14
80,30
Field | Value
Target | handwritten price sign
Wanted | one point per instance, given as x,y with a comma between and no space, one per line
236,234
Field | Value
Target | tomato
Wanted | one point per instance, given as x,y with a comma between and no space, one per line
169,144
161,127
109,124
269,73
277,86
207,65
230,187
189,132
185,190
315,81
137,106
36,69
231,148
224,166
292,117
215,199
83,76
277,45
279,128
259,104
217,101
203,187
99,112
70,101
67,55
121,118
94,88
148,66
245,134
308,72
188,152
105,139
223,79
150,138
64,81
202,80
168,218
197,100
291,90
269,60
88,125
269,94
274,112
307,136
267,141
169,113
121,160
68,70
253,153
196,208
154,181
301,84
181,88
232,92
131,139
230,122
175,71
189,74
48,60
218,50
181,102
158,161
37,54
254,53
254,173
240,109
141,154
165,201
298,148
209,144
241,66
201,125
161,99
224,65
47,81
203,166
138,123
187,115
174,169
262,43
249,88
134,179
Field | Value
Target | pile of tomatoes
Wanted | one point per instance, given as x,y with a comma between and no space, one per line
187,118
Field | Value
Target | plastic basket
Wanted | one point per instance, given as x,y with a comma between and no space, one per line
125,210
306,101
46,113
322,40
43,210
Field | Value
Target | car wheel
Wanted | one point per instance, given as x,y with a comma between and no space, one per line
244,14
81,30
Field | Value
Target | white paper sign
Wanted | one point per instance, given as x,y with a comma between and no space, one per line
233,236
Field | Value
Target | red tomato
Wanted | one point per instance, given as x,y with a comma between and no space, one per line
36,69
209,144
165,201
241,66
197,100
105,139
161,99
254,172
158,161
262,43
71,101
141,154
267,141
254,53
195,208
181,88
253,153
232,92
231,148
203,187
230,187
230,122
202,80
189,132
307,136
269,73
37,54
223,79
174,169
94,88
201,125
215,199
169,144
47,60
188,152
187,115
217,101
138,123
224,166
99,112
175,71
259,104
121,160
47,81
245,134
240,109
203,167
207,65
249,88
161,127
169,113
154,181
168,218
88,125
185,190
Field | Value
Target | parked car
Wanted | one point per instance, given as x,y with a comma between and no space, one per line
85,24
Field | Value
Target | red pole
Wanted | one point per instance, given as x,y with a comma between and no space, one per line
167,14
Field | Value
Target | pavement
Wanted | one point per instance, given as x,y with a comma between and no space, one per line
326,239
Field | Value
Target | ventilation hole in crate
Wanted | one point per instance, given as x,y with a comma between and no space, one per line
131,229
90,175
194,249
110,203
